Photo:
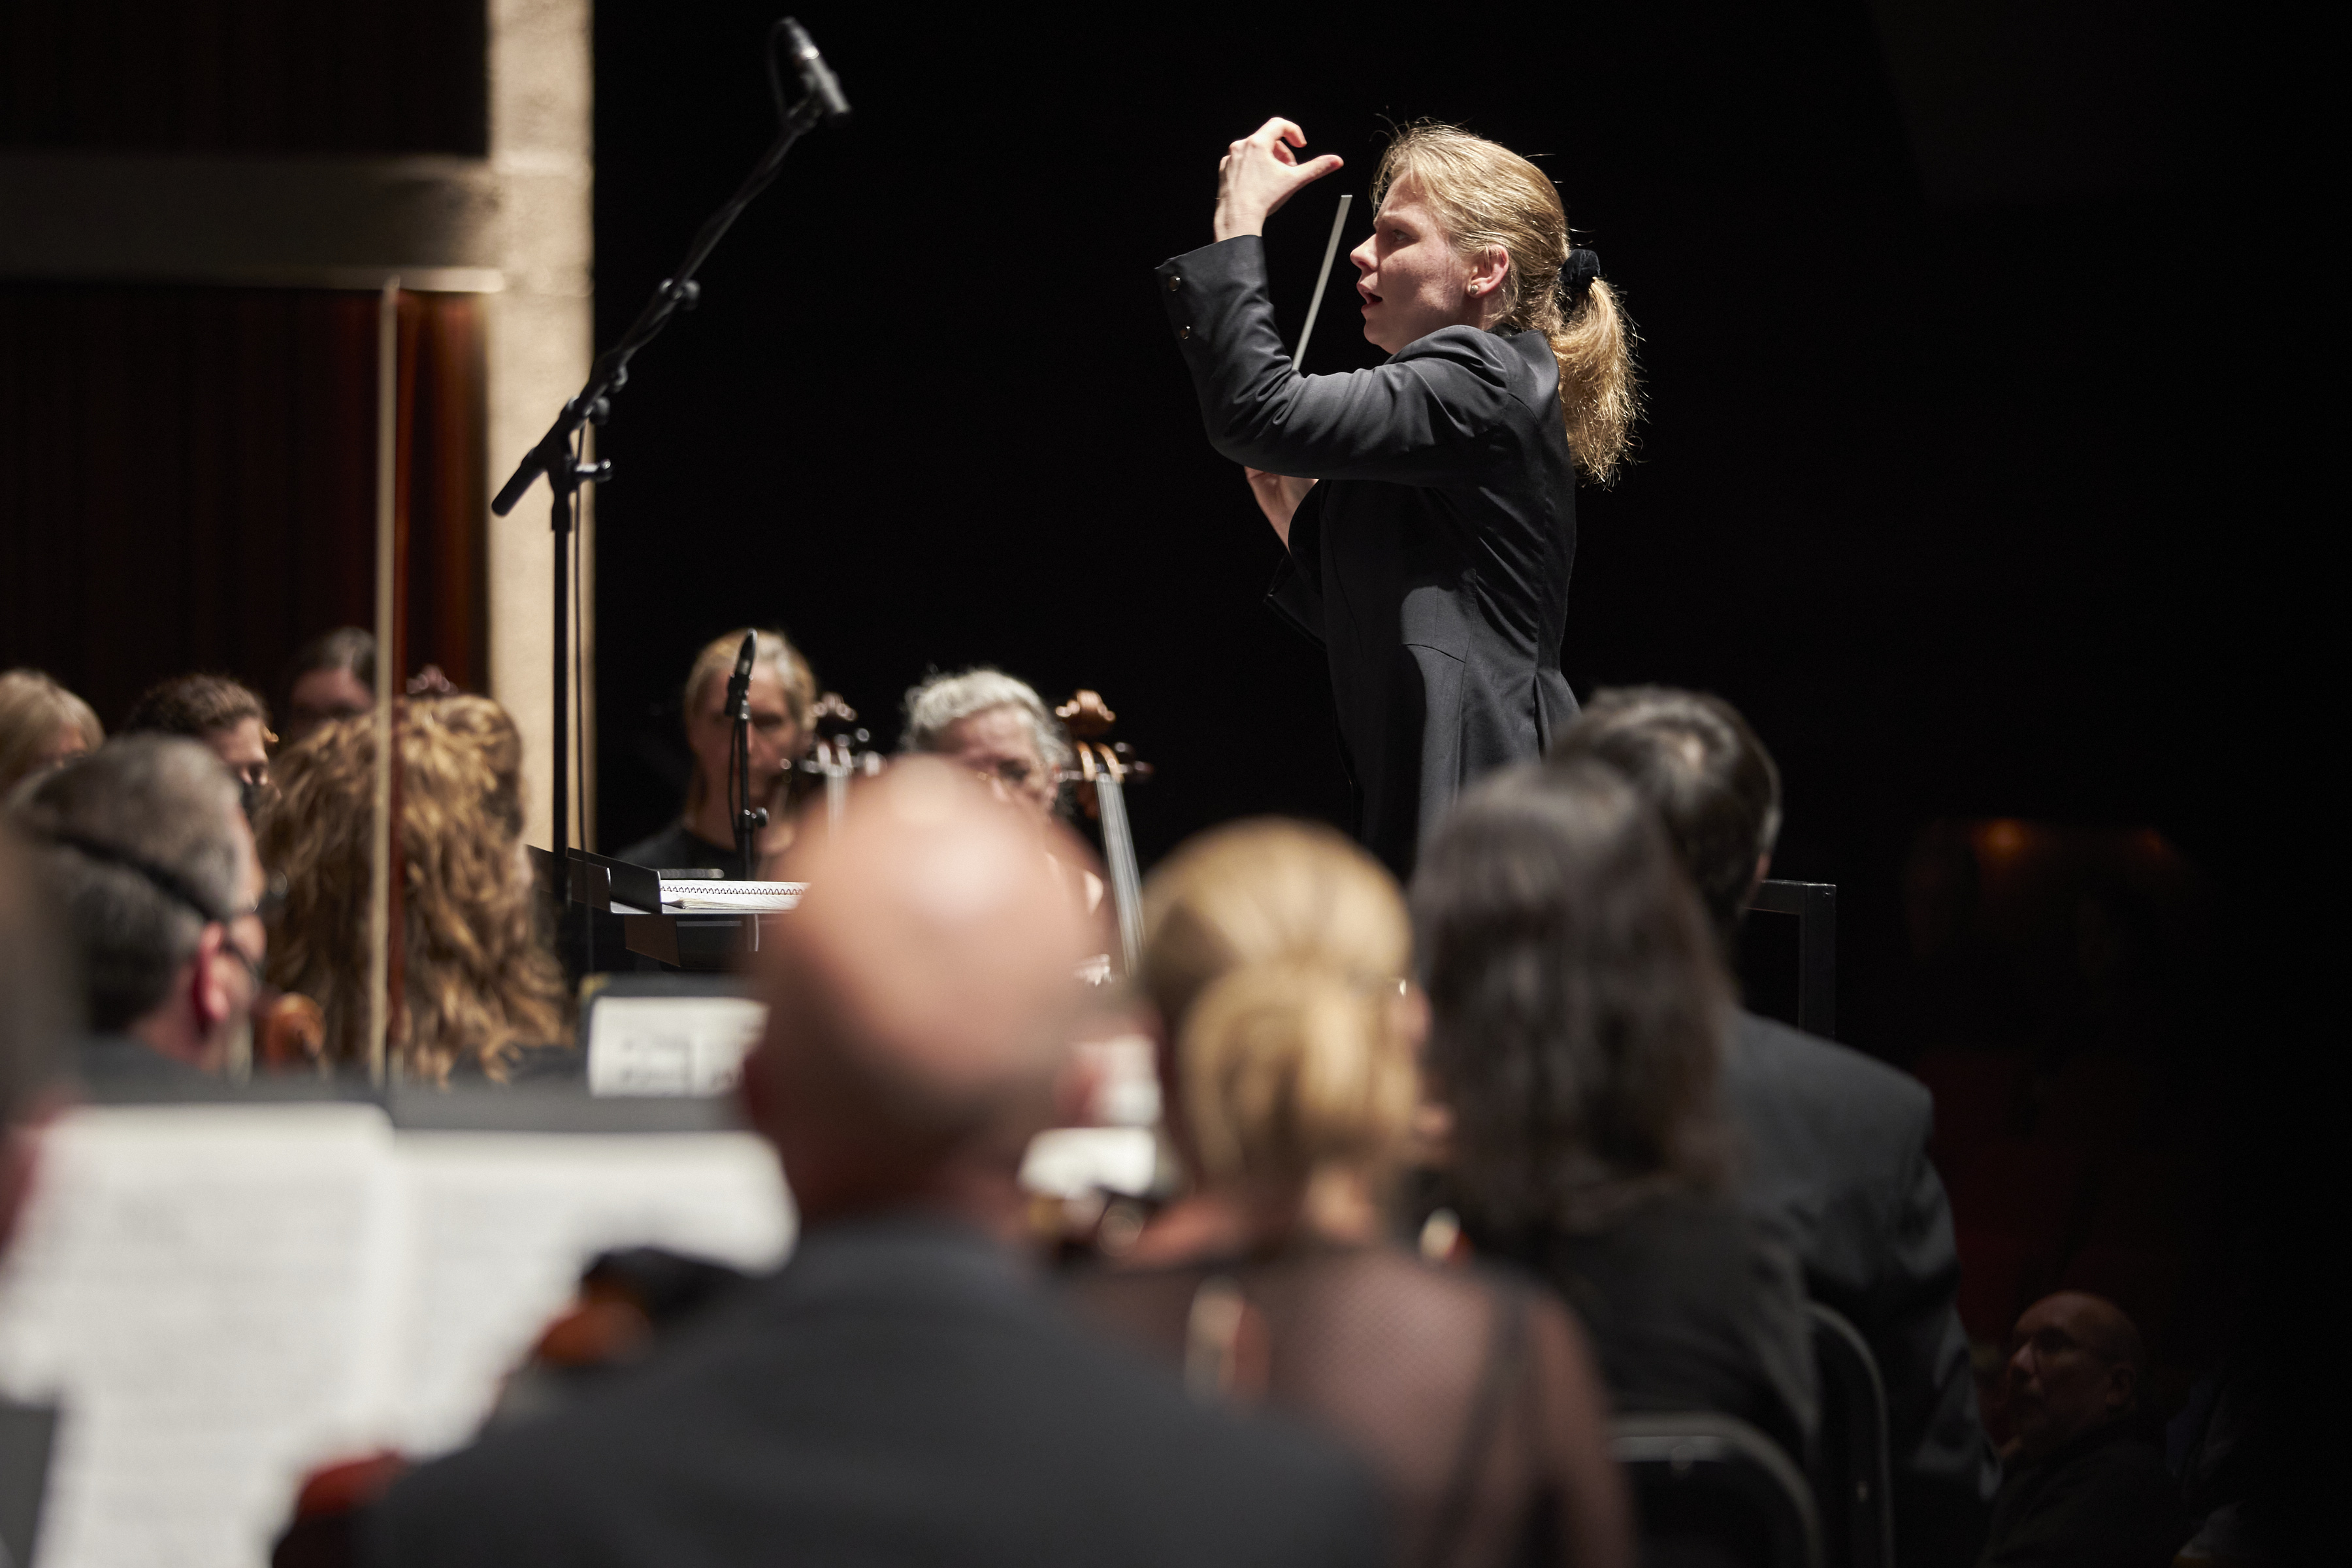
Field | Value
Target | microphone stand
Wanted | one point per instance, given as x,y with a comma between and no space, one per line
557,453
748,820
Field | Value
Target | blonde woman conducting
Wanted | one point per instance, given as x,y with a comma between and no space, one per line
1428,505
1275,958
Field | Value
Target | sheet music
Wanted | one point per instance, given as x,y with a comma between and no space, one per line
695,893
203,1289
221,1297
501,1224
671,1045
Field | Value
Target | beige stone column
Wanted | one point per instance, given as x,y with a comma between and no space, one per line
542,331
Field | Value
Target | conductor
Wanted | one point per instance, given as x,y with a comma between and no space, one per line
1428,505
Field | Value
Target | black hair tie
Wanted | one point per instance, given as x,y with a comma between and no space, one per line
1576,276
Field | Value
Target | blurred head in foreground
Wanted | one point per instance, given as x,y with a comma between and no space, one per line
2074,1363
1578,1002
1703,771
227,716
152,868
41,725
1277,955
36,1011
480,976
920,1003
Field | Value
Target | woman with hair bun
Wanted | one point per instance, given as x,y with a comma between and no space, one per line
1428,505
1275,955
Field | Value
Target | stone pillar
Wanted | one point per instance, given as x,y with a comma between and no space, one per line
542,339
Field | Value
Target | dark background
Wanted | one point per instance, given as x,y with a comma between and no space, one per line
1931,436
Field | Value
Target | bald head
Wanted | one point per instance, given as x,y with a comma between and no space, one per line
921,998
2073,1366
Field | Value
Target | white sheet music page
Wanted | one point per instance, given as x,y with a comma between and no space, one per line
204,1291
671,1045
698,894
501,1225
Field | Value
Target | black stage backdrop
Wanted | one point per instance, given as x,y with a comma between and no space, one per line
1913,491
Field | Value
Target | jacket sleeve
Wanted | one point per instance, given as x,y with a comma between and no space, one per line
1413,420
1944,1470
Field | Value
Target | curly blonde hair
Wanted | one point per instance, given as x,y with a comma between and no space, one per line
479,975
1485,194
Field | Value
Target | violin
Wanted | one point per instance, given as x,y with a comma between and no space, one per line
1104,771
842,750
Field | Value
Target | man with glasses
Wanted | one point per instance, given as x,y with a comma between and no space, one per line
152,874
2085,1482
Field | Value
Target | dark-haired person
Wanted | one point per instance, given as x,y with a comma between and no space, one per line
1428,505
1578,1008
2086,1484
149,861
1833,1146
330,677
229,717
782,697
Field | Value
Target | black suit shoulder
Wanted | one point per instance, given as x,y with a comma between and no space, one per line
2106,1501
890,1399
1774,1074
1834,1161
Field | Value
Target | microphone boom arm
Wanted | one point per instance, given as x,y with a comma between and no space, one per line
556,454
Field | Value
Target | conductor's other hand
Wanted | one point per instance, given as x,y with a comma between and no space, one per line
1258,173
1279,496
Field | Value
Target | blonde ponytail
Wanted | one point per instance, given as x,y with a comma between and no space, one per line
1485,194
1289,1067
1276,952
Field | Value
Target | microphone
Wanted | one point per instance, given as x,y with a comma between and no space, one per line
739,685
816,76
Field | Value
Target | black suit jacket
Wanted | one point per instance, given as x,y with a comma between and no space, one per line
2103,1500
899,1393
1433,561
1835,1161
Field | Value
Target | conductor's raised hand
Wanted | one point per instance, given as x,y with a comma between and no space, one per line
1259,174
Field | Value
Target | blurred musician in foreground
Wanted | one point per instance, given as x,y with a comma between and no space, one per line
783,693
152,867
330,678
481,991
995,726
901,1391
36,1011
41,725
228,716
1276,960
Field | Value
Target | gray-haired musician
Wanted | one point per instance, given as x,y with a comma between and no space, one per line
994,726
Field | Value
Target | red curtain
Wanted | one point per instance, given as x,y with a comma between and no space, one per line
187,480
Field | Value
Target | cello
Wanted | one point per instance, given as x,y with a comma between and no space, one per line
1104,771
